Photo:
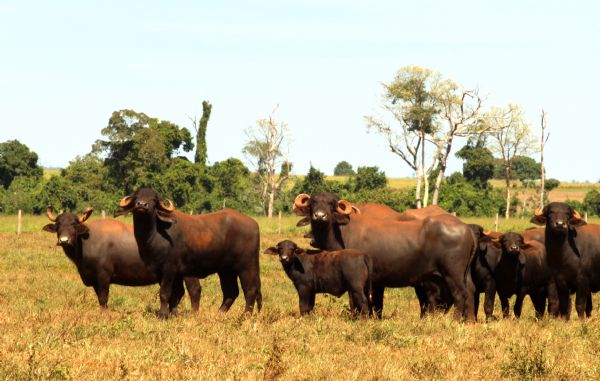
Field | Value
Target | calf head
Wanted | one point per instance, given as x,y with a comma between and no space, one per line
286,250
146,202
558,217
512,246
67,226
322,208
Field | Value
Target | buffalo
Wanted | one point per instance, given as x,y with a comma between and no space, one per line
174,245
105,252
332,272
573,249
404,253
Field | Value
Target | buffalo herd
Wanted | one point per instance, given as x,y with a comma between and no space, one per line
357,248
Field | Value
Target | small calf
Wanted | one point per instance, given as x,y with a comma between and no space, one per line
331,272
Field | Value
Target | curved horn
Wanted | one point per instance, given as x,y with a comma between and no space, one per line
169,208
125,201
356,210
344,207
86,214
50,215
487,232
539,212
576,215
300,204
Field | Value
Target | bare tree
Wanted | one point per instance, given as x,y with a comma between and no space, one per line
459,112
265,149
543,140
512,137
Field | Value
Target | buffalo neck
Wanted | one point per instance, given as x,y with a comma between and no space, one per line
327,236
557,245
74,252
144,227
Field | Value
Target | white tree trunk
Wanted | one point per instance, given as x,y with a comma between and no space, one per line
507,178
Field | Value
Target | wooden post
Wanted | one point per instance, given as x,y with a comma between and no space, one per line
496,224
586,217
103,215
19,218
279,223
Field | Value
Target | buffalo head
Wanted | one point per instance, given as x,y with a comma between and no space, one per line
287,251
558,217
512,246
67,226
148,202
322,208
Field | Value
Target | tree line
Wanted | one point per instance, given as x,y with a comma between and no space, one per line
423,114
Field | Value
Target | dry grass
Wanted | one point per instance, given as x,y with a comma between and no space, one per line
52,328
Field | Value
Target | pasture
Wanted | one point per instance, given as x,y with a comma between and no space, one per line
52,328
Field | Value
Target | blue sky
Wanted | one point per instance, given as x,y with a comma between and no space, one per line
67,65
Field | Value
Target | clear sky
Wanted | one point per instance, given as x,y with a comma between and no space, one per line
67,65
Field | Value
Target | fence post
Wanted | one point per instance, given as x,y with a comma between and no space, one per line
586,217
19,218
496,223
103,215
279,223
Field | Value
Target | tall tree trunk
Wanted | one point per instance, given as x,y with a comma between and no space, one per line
443,163
423,172
507,179
271,200
201,147
418,169
542,168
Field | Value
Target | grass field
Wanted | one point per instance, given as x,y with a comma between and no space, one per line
52,328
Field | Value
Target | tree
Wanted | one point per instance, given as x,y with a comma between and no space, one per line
17,160
265,149
478,167
511,137
369,178
138,148
343,168
410,99
201,155
543,140
551,184
526,168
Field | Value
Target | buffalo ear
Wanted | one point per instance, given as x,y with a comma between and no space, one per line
299,250
496,242
122,212
81,229
538,220
165,217
308,235
341,219
303,222
271,250
50,228
576,222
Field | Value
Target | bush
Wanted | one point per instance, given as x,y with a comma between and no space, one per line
369,178
550,184
467,200
343,168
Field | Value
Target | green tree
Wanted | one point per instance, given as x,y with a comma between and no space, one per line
478,167
57,193
591,202
314,181
550,184
343,168
17,160
23,194
526,168
369,178
201,147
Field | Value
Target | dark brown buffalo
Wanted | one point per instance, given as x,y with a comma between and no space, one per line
332,272
105,252
483,268
405,253
573,249
173,245
523,269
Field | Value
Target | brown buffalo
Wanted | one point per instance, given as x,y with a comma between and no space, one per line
173,245
573,249
105,252
332,272
404,253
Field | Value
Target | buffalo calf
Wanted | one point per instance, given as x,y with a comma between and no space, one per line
331,272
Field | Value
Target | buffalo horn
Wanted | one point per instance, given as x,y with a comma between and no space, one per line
576,215
344,207
50,215
125,201
300,204
356,210
85,215
169,208
538,212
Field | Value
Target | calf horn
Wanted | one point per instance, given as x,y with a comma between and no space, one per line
539,212
344,207
169,208
125,201
85,215
50,215
576,215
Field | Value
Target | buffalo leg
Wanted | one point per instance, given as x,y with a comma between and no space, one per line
421,293
102,288
476,304
177,293
518,307
581,297
553,307
194,291
539,303
306,300
166,289
230,289
490,297
378,301
505,306
588,306
360,300
250,281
